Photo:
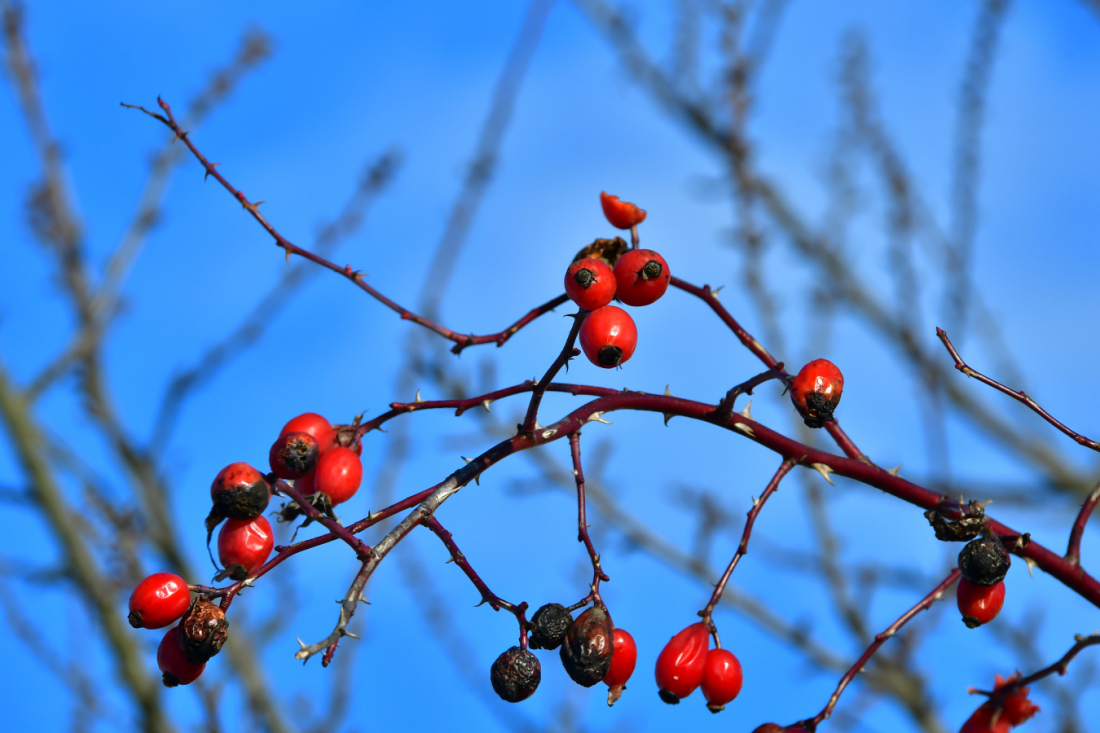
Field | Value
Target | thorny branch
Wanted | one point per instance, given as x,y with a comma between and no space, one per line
582,521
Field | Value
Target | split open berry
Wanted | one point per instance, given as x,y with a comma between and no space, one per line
158,600
588,647
608,337
174,665
622,666
590,283
293,455
203,631
315,425
682,662
979,604
549,626
339,473
641,277
621,214
985,561
816,391
516,674
243,546
239,491
1010,711
722,679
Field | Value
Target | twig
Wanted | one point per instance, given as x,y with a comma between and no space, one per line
880,639
743,547
567,352
1002,693
1073,551
1019,396
582,521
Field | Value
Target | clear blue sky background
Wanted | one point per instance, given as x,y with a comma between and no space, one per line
350,80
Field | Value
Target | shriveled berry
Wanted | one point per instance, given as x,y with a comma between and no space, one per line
590,283
623,662
293,455
239,491
641,277
621,214
979,604
314,424
966,527
158,600
681,664
722,679
985,561
607,250
549,626
815,392
516,674
177,669
588,647
202,631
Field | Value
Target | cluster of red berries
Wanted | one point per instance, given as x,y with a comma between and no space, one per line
687,662
321,460
640,277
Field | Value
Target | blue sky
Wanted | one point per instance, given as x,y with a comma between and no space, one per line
351,80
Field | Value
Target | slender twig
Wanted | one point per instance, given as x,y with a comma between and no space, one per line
582,521
746,387
1004,691
355,276
880,639
530,421
348,605
743,547
1019,396
362,549
1073,551
487,596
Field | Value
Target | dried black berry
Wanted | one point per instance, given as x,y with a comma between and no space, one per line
588,646
516,674
965,528
548,626
985,561
202,631
294,455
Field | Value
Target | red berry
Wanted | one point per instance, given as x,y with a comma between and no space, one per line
816,390
623,661
590,283
1001,726
339,473
315,425
609,336
177,669
979,604
721,679
621,214
682,662
293,455
1016,709
768,728
158,600
243,546
239,492
641,277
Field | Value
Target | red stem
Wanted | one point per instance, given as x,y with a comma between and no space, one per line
1073,551
998,696
582,520
487,596
539,388
1019,396
743,548
362,549
880,639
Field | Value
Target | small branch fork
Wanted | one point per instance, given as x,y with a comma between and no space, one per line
487,596
743,548
530,422
1073,551
362,549
461,340
1019,396
880,639
582,523
998,696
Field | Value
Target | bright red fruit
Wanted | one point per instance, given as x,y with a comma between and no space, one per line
623,660
293,455
682,662
621,214
590,283
315,425
158,600
1014,710
609,337
339,473
173,663
979,604
816,391
641,277
243,545
722,679
1001,726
